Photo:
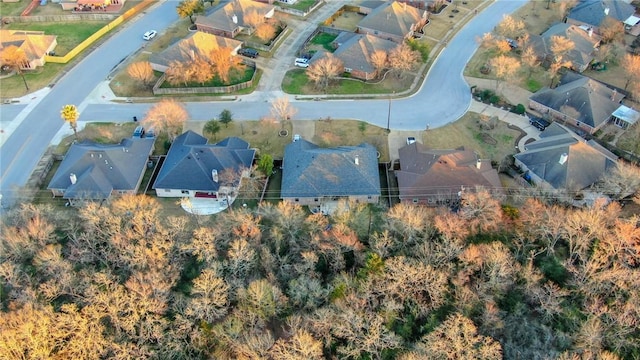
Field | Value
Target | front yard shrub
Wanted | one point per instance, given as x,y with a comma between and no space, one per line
494,99
520,109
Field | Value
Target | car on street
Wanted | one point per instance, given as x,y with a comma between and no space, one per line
252,53
138,132
149,35
411,140
301,62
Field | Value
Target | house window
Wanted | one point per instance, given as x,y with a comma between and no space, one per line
375,32
316,199
415,201
296,200
185,192
430,201
347,70
167,190
369,197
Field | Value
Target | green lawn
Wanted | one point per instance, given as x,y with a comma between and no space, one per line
37,79
324,39
301,5
12,9
296,82
69,34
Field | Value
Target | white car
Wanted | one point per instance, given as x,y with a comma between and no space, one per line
149,35
411,140
301,62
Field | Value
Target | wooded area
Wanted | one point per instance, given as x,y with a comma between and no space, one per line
532,281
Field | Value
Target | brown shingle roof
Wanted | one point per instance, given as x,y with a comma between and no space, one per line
393,18
35,44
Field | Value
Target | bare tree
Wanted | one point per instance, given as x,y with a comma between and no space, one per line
504,67
265,31
487,40
168,115
223,62
16,59
611,30
458,338
199,70
379,59
402,58
142,72
561,45
177,72
209,298
529,59
631,65
282,110
323,71
253,18
510,27
555,68
189,8
622,182
302,345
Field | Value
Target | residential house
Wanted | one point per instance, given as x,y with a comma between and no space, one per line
233,18
439,177
34,44
584,40
577,101
367,6
196,45
393,21
194,168
79,5
592,13
92,171
317,176
561,159
355,50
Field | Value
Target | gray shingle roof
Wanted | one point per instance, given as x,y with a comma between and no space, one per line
223,18
392,18
581,98
592,12
584,45
585,163
190,160
312,171
196,45
100,168
426,172
356,52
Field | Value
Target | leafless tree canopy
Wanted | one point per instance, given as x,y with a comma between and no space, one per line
323,71
142,72
490,280
168,116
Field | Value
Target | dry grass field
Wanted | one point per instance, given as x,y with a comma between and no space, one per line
330,133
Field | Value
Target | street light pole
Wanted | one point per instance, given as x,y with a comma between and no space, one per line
389,115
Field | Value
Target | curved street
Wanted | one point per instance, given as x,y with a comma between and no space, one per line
443,97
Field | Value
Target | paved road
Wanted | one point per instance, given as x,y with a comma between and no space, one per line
443,98
21,152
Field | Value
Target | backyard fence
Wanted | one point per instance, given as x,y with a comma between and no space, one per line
271,46
204,90
59,18
296,12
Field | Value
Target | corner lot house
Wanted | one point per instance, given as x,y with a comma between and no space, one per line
234,18
92,171
196,45
393,21
316,176
438,177
194,168
584,40
34,44
577,101
563,160
355,51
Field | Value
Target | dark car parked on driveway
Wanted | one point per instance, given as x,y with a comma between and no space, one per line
537,122
249,53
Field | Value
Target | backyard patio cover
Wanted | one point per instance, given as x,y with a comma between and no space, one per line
632,20
627,114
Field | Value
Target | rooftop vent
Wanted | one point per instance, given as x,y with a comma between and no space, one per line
606,11
214,175
563,159
234,18
73,178
357,160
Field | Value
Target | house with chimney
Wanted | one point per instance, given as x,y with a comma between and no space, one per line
561,159
585,42
320,177
439,177
235,17
196,45
393,21
195,169
578,101
592,13
92,171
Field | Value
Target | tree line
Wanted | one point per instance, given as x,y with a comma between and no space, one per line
524,280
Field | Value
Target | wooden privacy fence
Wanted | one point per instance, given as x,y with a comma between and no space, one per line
98,34
157,90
